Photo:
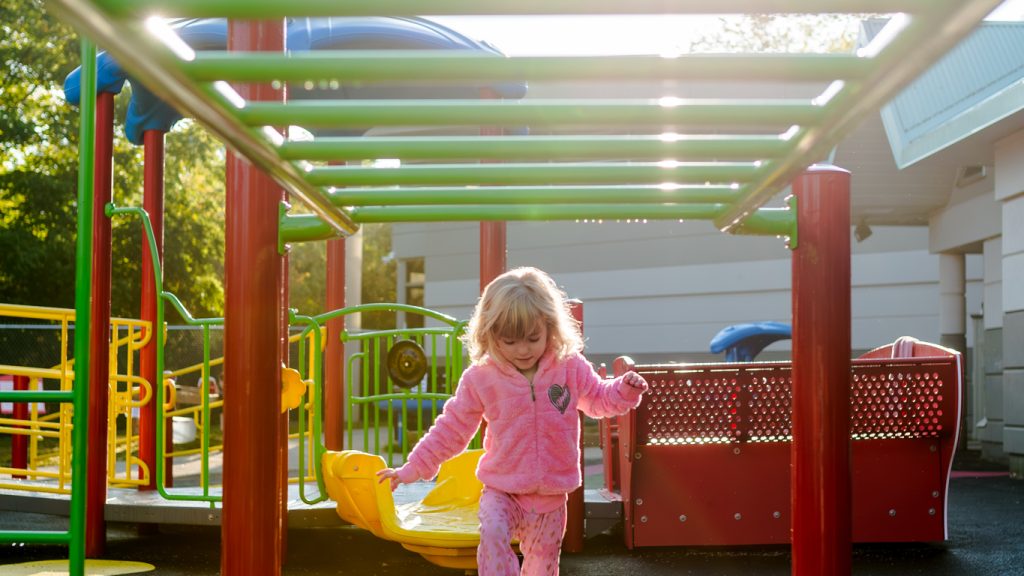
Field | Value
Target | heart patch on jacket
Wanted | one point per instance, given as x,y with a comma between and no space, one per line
559,396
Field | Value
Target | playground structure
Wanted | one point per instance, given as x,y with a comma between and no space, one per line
705,459
726,178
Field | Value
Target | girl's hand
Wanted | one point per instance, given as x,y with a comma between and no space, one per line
389,474
634,380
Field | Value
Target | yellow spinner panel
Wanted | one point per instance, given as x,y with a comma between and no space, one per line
443,526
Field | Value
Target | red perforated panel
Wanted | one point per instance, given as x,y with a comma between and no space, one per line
713,404
705,458
897,402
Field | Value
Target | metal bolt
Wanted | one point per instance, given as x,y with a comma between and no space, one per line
776,514
892,512
643,519
639,501
682,517
637,455
735,450
931,511
738,516
933,447
935,494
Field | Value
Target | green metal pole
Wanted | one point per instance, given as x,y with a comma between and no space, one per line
83,278
535,174
259,9
158,333
689,147
366,66
778,114
535,195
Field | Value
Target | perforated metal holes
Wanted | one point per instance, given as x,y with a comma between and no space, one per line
684,409
713,405
896,404
771,403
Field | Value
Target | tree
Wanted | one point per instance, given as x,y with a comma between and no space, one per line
778,33
38,183
38,166
307,276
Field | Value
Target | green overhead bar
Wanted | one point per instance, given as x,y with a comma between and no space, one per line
254,9
627,113
422,195
539,174
444,65
716,159
541,147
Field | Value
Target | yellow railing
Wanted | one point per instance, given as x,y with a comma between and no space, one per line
43,429
49,458
126,391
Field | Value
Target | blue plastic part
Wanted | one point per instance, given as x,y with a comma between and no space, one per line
147,112
743,342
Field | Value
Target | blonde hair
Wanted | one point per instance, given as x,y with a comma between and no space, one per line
512,305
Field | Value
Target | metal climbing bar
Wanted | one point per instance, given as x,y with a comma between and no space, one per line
542,147
754,146
276,9
653,112
464,65
422,195
539,174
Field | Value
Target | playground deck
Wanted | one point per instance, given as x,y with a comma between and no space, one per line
128,505
986,538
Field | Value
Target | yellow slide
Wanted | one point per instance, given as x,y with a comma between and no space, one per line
443,527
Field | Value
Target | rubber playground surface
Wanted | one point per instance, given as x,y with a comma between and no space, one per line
986,518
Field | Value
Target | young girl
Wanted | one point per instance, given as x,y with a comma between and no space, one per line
527,380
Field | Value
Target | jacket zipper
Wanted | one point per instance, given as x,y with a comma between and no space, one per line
532,396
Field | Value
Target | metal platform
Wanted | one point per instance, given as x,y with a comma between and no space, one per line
603,510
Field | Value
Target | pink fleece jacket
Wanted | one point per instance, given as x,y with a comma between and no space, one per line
532,439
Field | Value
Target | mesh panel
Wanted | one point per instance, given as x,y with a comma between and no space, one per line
718,404
897,404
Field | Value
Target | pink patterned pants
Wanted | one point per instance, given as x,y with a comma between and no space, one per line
539,535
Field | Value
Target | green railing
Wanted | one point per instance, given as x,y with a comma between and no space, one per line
370,394
74,536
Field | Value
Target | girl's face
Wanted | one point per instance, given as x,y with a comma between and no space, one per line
526,352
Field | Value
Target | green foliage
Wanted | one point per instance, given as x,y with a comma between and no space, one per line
775,33
307,278
379,271
307,275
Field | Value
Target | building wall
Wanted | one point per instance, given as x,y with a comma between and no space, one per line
1009,191
659,291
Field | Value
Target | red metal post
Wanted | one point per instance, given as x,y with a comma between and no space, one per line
334,355
493,260
574,529
99,331
251,520
19,442
820,472
153,203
